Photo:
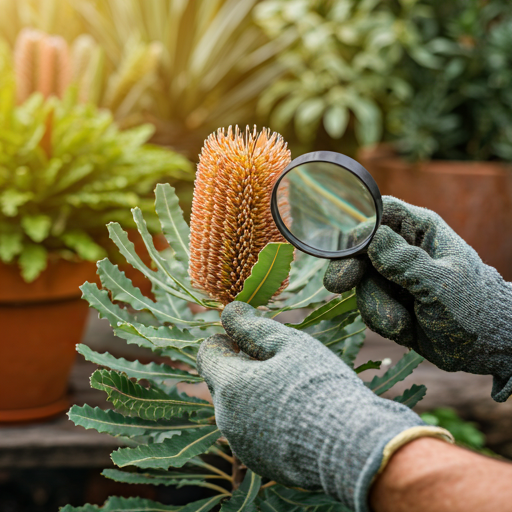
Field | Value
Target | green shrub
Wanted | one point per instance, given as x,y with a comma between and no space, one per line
462,107
66,170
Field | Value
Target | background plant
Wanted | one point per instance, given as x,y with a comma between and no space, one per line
462,107
187,67
342,65
165,431
65,170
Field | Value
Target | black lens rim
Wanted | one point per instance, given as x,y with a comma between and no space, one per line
353,167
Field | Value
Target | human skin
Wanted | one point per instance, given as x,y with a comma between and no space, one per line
429,475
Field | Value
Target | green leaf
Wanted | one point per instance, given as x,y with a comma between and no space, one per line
10,245
397,373
123,290
412,396
174,227
313,293
273,503
83,244
115,424
267,275
158,337
149,404
244,496
133,369
37,227
100,301
335,307
336,120
11,200
127,249
204,505
116,504
32,261
156,477
303,499
370,365
173,452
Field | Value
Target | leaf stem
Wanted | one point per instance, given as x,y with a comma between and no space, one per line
268,484
220,453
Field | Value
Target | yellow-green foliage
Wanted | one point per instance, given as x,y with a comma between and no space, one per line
65,170
187,66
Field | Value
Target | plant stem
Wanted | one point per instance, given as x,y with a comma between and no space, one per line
239,470
268,484
213,469
220,453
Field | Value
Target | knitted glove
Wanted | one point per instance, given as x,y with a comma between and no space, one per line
422,286
292,411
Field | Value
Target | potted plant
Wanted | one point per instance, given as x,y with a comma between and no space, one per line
65,169
451,145
222,256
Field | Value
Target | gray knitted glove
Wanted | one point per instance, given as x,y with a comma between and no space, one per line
422,286
292,411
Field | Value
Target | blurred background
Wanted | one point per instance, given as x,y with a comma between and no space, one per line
102,99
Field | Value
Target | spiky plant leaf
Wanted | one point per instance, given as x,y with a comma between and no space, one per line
115,424
267,275
167,478
146,403
116,504
133,369
304,499
412,396
310,296
243,497
174,227
397,373
335,307
123,290
127,249
173,452
370,365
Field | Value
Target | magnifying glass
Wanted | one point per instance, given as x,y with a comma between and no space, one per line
327,205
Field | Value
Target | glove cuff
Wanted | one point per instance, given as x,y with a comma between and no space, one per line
381,456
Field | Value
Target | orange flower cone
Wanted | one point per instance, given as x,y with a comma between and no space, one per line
231,220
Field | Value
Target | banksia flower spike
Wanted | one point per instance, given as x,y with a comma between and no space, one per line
231,220
41,63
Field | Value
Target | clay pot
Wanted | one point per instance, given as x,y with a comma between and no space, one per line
474,198
41,322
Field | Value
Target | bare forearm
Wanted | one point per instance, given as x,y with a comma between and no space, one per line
428,475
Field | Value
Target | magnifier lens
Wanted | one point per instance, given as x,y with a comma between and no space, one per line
326,206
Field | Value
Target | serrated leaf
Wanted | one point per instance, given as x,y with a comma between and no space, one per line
151,404
267,275
244,496
37,227
412,396
100,301
174,227
127,249
123,290
133,369
173,452
115,424
334,308
272,503
160,337
303,499
370,365
117,504
397,373
156,477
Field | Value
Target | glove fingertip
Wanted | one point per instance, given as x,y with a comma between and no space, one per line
342,275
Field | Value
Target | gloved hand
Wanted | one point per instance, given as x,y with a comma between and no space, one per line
294,412
424,287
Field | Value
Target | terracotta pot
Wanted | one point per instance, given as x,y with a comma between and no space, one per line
474,198
41,322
